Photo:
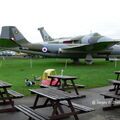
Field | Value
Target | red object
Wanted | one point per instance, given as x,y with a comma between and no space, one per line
44,49
47,82
67,42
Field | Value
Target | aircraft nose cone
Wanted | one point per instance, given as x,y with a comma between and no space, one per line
105,39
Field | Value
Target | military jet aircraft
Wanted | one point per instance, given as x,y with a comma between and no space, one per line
88,47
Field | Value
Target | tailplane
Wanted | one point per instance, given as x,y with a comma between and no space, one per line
11,32
46,37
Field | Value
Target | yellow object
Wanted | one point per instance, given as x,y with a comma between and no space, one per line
48,72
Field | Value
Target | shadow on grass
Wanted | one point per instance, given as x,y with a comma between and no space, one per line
98,63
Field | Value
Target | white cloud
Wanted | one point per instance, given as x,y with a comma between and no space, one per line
61,17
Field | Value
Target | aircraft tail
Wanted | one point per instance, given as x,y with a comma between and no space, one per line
11,32
46,37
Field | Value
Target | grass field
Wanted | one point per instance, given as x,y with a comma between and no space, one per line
16,70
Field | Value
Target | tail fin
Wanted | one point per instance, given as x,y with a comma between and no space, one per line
11,32
45,35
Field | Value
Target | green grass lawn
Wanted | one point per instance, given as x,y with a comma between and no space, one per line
16,70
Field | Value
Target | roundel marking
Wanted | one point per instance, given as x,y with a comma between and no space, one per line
90,41
13,38
44,49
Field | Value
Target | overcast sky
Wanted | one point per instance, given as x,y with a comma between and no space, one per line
61,18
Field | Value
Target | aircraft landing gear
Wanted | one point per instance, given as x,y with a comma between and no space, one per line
88,62
107,58
75,60
89,59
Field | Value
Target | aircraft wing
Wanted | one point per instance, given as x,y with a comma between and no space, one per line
96,47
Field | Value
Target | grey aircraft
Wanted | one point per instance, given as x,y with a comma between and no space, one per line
88,47
66,40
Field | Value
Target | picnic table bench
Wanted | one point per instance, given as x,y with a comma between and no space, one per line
30,112
82,108
56,99
15,94
112,96
7,96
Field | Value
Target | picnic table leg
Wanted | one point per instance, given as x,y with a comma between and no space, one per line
65,85
58,83
58,114
111,106
10,102
60,107
30,118
115,86
74,87
51,81
1,94
72,109
117,89
36,101
9,98
117,76
46,102
112,103
55,106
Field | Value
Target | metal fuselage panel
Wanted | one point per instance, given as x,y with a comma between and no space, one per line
53,50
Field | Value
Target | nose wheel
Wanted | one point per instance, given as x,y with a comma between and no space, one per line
89,59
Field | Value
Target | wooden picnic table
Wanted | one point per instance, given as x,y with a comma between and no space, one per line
63,80
117,78
7,96
115,95
54,98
